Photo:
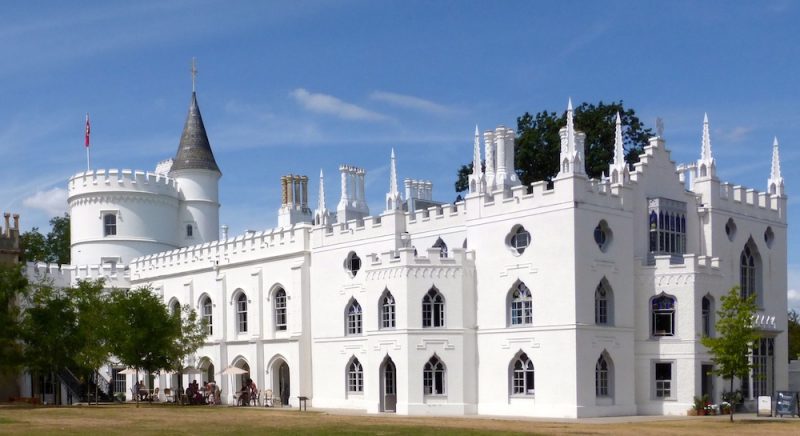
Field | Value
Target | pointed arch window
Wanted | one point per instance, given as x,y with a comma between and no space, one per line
433,309
355,377
441,246
521,305
749,264
280,310
522,376
603,304
387,310
707,316
241,313
175,307
602,377
353,318
208,315
433,377
189,231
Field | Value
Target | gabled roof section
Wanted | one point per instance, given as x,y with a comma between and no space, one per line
194,150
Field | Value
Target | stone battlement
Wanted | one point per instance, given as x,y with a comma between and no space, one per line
249,246
67,275
748,201
114,181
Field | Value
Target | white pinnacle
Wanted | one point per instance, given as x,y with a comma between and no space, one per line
570,129
619,151
476,153
321,200
393,176
775,174
705,151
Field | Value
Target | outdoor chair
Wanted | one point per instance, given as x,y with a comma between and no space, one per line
168,395
268,398
255,398
154,395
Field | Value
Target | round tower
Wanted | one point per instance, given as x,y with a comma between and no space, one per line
197,177
116,216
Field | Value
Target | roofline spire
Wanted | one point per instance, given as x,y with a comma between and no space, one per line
476,153
321,199
393,176
705,152
194,74
619,150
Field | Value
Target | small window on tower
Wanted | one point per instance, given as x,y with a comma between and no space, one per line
109,224
189,231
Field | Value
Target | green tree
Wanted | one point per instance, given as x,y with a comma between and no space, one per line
794,335
34,246
145,336
58,240
732,346
13,288
54,248
538,144
49,331
94,346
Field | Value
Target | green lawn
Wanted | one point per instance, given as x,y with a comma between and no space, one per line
160,419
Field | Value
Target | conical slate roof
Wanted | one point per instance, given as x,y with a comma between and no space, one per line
194,151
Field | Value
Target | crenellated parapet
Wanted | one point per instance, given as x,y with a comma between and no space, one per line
747,201
404,263
115,181
68,275
250,246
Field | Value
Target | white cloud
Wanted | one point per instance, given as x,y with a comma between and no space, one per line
411,102
735,134
328,104
53,201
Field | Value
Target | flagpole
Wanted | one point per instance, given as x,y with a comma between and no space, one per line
86,143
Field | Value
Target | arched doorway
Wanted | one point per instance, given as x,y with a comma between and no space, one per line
388,374
280,380
207,369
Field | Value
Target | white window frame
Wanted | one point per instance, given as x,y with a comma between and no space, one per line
433,309
664,389
208,313
241,313
657,313
519,239
523,376
520,305
354,319
355,377
434,377
388,310
280,305
603,377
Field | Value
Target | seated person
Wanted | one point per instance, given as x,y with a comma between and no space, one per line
253,390
244,394
141,390
211,392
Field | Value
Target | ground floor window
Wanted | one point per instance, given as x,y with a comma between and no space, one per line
119,381
763,367
663,378
433,377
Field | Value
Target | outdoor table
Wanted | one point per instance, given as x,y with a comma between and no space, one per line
302,403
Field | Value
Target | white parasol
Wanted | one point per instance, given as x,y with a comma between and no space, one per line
233,370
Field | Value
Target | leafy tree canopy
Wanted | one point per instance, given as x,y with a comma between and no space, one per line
54,248
538,144
144,335
731,347
794,335
13,287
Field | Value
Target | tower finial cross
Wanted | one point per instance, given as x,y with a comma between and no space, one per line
194,73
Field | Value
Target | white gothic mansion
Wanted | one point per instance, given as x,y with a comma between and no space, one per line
583,298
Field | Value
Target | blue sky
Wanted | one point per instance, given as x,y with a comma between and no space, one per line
303,85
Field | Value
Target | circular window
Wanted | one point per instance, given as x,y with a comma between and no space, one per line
602,235
352,264
769,237
730,229
519,239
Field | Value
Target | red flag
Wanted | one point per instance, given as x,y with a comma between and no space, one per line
88,130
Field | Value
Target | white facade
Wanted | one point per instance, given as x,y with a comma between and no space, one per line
519,300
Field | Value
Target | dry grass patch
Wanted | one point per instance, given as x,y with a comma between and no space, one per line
159,419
